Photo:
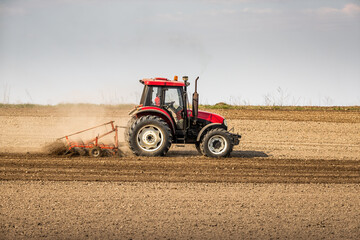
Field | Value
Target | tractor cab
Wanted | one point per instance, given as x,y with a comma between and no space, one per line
165,95
163,117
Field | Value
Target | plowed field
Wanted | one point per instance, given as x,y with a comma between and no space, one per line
295,174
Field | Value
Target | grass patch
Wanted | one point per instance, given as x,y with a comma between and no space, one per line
23,105
282,108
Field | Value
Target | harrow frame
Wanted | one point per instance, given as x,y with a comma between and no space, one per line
93,147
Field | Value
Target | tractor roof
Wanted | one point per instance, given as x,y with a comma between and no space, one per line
161,82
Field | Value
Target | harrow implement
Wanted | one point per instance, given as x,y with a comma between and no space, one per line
94,147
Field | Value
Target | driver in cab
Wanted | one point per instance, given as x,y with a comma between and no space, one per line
157,100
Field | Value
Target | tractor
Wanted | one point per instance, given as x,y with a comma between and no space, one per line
164,117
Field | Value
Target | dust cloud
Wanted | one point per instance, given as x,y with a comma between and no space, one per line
33,129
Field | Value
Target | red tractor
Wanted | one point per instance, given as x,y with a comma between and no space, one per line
163,117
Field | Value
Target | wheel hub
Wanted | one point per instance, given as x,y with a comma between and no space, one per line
217,144
150,138
96,152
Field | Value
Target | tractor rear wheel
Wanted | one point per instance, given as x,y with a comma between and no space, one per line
149,136
216,143
128,126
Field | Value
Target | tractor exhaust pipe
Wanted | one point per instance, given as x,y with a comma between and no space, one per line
195,102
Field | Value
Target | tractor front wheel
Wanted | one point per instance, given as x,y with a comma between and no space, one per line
198,148
149,136
216,143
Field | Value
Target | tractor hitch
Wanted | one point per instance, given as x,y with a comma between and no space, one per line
235,138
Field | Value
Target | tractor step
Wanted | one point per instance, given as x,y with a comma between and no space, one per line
180,142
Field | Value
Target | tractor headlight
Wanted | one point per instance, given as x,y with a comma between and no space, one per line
225,123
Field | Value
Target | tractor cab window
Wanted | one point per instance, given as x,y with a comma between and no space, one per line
169,98
173,98
157,96
174,104
153,96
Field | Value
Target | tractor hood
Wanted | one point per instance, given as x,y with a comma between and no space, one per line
210,117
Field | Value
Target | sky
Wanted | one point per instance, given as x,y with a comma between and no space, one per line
273,52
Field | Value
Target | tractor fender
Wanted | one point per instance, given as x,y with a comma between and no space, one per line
208,127
156,112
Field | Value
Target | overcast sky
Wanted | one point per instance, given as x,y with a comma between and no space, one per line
246,52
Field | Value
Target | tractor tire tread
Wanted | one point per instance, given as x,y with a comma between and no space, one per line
198,148
131,132
128,126
210,132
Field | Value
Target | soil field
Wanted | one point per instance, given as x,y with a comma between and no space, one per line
295,174
152,210
178,166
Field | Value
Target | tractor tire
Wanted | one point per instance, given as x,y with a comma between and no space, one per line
128,126
95,152
149,136
216,143
198,148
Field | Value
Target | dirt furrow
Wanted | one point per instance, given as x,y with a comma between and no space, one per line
179,169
